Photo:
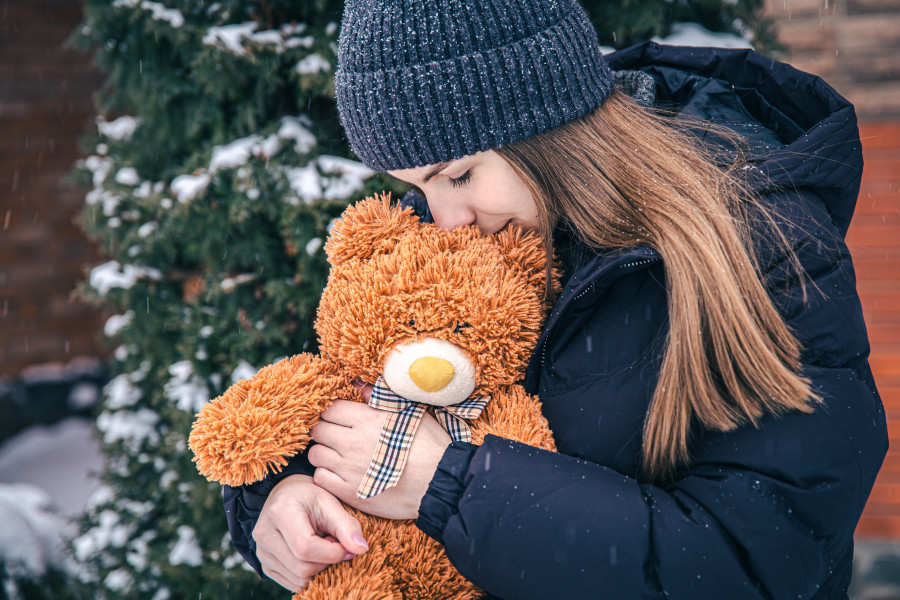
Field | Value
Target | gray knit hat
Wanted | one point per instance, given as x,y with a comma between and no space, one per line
425,81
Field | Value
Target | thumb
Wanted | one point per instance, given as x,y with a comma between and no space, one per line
346,529
364,388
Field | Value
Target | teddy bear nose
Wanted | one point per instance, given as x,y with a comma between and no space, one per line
431,374
429,370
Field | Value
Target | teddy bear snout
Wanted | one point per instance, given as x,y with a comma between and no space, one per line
430,370
431,373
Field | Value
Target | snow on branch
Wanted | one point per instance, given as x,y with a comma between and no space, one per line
112,274
235,37
159,12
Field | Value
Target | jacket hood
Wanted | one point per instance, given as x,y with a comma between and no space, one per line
802,133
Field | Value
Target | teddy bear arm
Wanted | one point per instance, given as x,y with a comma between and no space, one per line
402,563
257,424
513,414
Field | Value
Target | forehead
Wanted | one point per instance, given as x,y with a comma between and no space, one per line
414,175
419,175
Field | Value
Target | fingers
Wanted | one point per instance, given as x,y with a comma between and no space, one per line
292,577
318,541
343,526
346,413
278,561
287,583
332,483
329,434
339,412
323,456
294,536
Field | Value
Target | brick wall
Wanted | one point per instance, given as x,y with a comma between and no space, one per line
45,105
874,240
853,44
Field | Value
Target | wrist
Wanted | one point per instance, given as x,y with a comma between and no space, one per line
441,499
296,479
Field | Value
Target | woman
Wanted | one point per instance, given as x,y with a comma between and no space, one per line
705,368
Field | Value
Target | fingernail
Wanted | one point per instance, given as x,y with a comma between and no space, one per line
360,540
348,556
358,384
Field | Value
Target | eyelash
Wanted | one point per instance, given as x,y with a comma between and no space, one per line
462,179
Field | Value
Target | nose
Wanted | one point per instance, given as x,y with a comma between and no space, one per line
449,212
430,373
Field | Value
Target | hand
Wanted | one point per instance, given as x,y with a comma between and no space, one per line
347,436
301,530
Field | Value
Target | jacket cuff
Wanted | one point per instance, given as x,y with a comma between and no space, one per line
244,504
441,501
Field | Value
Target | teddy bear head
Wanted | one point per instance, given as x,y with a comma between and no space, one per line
438,314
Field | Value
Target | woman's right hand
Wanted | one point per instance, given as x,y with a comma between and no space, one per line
301,530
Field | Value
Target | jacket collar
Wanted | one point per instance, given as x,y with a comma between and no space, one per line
585,284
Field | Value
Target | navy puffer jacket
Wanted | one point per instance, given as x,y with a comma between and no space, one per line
765,512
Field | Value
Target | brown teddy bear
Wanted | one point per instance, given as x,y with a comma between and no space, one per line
444,321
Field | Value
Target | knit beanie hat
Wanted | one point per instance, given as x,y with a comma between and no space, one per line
426,81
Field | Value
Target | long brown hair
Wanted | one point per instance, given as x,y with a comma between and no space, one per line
625,176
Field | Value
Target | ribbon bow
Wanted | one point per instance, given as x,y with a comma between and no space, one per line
399,429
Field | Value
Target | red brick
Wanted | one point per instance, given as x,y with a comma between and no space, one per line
881,169
46,107
877,269
885,364
878,526
876,236
875,134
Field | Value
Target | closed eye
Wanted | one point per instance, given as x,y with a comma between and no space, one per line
462,179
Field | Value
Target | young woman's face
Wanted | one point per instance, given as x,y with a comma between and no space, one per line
480,189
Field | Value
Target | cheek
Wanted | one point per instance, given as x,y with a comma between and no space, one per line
519,201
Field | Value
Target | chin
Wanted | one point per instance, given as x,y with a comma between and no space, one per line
499,229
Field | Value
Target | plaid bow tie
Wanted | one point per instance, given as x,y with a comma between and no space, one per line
399,429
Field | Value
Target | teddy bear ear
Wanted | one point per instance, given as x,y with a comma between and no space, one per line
368,228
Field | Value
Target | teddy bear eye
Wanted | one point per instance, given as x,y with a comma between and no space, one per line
460,327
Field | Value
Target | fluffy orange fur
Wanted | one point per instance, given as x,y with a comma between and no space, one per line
393,279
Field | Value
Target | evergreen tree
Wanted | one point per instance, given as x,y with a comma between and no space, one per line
212,192
620,23
216,168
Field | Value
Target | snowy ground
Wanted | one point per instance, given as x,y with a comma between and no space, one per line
58,458
45,479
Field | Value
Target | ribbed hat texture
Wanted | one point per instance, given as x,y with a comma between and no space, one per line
424,81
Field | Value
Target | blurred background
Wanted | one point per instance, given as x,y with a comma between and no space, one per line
58,348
